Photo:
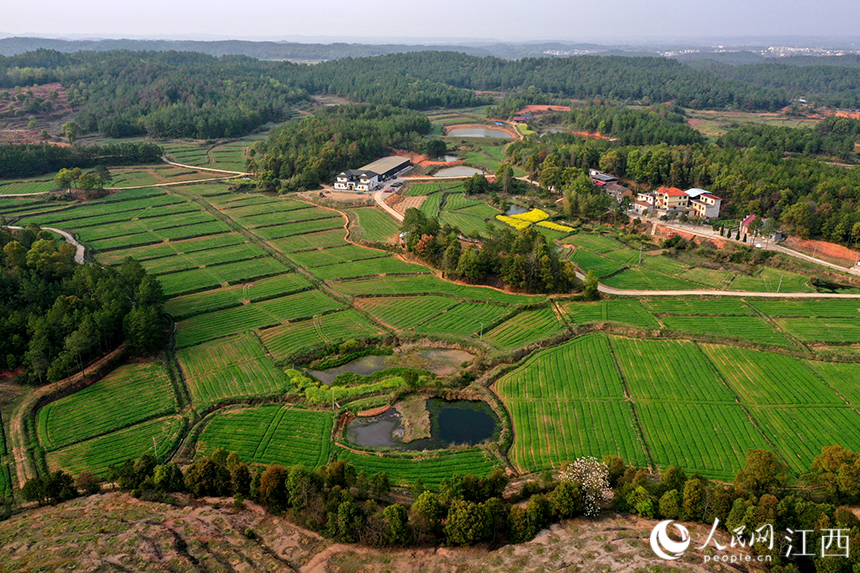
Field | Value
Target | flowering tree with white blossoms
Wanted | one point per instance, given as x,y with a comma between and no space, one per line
592,477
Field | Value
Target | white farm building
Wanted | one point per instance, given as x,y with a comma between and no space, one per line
369,176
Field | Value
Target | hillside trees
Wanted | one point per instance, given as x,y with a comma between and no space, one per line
58,316
316,148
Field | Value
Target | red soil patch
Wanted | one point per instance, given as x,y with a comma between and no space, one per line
543,108
593,135
848,114
719,243
374,411
832,250
22,136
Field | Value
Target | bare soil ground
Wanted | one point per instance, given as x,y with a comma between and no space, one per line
409,203
115,532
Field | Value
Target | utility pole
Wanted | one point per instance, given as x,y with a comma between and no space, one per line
780,282
482,331
640,254
155,449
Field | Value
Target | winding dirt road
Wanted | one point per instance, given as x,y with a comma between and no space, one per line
79,248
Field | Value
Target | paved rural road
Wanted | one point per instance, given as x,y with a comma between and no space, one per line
79,248
770,246
379,197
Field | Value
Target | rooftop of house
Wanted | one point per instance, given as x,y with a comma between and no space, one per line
671,192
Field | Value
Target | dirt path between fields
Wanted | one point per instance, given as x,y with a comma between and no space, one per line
24,470
79,248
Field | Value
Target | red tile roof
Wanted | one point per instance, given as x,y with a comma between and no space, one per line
672,191
710,196
748,220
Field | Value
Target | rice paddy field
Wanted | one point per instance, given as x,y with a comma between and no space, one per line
255,281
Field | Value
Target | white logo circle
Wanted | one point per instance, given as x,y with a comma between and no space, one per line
661,541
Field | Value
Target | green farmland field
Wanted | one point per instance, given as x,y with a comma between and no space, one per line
285,340
525,328
235,367
220,323
374,225
270,434
218,299
128,395
403,469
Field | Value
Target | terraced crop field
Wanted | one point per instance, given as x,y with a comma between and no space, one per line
270,434
404,313
432,467
130,394
236,295
525,328
699,306
235,367
623,311
468,318
602,266
384,286
374,225
836,308
310,241
98,454
335,255
288,339
834,330
749,328
377,266
221,323
209,277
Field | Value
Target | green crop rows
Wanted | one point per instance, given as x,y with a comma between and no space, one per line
285,340
335,255
235,367
198,279
270,434
209,301
406,312
220,323
525,328
375,226
98,454
128,395
404,469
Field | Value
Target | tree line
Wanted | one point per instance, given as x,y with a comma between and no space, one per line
57,316
353,507
36,159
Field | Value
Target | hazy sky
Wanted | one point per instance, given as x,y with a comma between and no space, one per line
380,21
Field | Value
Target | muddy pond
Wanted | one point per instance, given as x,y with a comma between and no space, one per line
459,422
440,361
458,171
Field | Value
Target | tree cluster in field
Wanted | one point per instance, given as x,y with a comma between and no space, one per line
92,184
57,316
619,78
512,103
354,507
303,153
35,159
522,260
809,197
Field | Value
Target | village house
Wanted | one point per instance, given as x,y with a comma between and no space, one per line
371,175
705,206
671,199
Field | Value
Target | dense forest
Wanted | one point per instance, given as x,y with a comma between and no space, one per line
184,94
57,315
302,153
36,159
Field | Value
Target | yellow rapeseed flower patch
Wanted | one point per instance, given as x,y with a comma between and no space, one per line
555,226
517,224
533,216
